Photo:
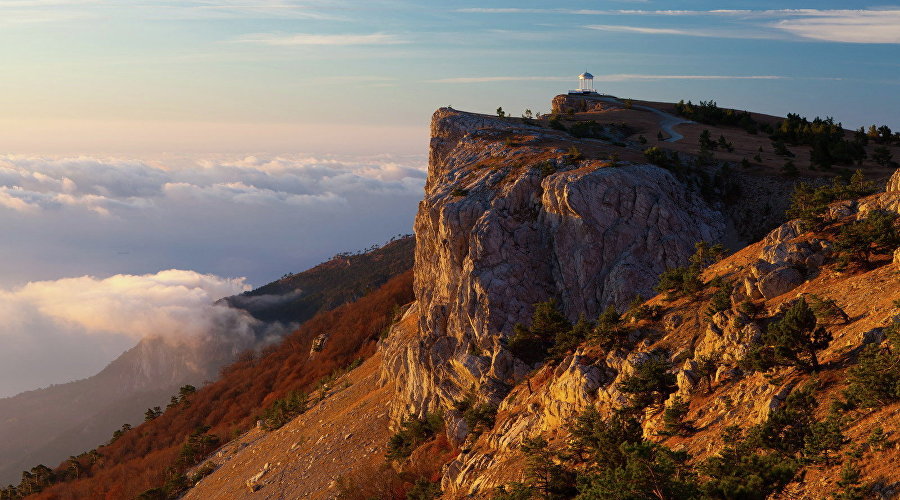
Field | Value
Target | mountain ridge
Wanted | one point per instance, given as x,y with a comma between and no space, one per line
481,375
46,425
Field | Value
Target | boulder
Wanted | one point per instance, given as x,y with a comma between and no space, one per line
750,288
672,322
779,282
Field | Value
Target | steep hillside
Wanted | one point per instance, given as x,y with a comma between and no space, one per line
517,211
147,456
514,215
47,425
708,339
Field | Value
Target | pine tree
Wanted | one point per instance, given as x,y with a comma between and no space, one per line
788,426
825,439
875,379
652,381
543,475
851,488
673,416
793,340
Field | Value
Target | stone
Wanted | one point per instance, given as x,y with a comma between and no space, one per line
565,104
750,288
779,282
318,343
761,268
873,336
893,185
590,236
727,337
253,482
672,322
841,209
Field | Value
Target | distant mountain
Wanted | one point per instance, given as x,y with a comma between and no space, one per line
47,425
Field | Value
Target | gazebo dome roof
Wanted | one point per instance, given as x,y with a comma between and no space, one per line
585,76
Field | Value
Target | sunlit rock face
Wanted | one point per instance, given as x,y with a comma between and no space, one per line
507,221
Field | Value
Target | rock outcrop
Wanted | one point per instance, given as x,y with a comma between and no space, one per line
566,104
509,220
889,200
893,185
511,217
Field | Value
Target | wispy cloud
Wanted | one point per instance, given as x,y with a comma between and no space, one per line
294,39
872,26
831,25
707,33
31,11
628,77
490,79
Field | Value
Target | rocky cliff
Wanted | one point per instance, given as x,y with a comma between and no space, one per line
773,273
513,215
517,213
511,218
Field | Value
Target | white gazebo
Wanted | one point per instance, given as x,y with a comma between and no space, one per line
586,83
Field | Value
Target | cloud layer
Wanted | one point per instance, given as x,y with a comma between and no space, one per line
258,217
86,238
172,303
112,187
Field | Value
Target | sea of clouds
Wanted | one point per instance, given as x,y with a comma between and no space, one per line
101,252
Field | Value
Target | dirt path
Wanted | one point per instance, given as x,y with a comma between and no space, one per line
667,121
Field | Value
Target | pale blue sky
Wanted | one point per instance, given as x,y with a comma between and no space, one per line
140,76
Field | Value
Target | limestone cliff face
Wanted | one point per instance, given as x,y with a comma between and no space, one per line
555,395
893,185
508,221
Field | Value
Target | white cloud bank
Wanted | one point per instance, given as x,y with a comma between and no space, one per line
251,216
113,187
74,216
58,330
172,303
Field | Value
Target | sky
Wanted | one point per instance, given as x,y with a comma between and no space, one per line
227,142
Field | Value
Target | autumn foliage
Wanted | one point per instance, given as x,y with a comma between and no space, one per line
138,460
